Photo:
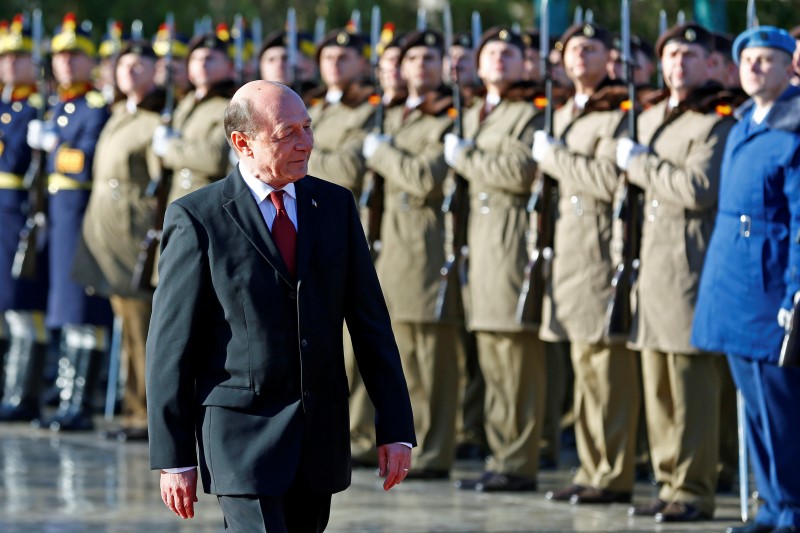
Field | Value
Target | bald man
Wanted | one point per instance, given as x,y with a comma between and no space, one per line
258,272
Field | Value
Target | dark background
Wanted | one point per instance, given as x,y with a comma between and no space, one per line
724,15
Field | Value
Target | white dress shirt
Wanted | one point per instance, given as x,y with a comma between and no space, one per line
260,192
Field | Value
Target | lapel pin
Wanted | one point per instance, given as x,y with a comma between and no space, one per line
313,202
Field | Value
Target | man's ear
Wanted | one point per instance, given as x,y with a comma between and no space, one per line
241,144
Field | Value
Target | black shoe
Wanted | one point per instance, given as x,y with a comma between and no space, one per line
681,512
595,496
784,529
506,483
651,509
427,474
18,413
127,434
72,420
472,484
565,494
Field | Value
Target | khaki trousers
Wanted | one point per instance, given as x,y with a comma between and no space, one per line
681,398
607,403
135,315
514,368
429,354
362,412
472,393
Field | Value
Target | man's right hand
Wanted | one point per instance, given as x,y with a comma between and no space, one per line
179,492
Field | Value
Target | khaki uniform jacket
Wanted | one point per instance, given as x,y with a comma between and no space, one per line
500,172
412,226
119,214
588,179
681,183
339,131
201,154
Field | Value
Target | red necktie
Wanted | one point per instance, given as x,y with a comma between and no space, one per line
283,232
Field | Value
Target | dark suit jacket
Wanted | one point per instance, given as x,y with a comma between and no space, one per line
247,361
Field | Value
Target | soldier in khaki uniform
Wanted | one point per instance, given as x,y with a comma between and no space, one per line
677,165
120,214
341,119
195,149
410,159
607,398
496,161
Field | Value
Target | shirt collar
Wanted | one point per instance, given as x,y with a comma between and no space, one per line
413,103
333,97
580,100
261,190
493,99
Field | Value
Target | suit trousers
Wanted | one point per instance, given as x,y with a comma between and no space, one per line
681,401
135,315
607,403
362,412
773,431
514,368
430,363
297,511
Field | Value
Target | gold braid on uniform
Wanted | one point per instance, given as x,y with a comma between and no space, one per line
711,97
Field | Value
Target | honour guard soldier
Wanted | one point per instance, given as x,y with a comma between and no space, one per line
677,166
23,336
607,398
179,49
70,136
409,156
273,62
750,280
195,148
494,157
119,215
108,52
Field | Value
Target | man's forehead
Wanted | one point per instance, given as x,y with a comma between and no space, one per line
674,46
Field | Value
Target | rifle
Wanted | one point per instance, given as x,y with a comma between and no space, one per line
158,188
291,49
456,202
35,180
238,47
619,312
541,204
370,202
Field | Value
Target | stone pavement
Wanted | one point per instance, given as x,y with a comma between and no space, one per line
81,483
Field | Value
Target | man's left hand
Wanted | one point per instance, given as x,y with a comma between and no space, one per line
394,460
371,143
179,492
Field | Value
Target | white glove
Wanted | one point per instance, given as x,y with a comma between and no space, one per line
627,149
371,143
541,145
453,146
41,136
785,315
161,139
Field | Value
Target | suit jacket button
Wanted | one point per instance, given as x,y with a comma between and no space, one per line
293,295
306,395
303,343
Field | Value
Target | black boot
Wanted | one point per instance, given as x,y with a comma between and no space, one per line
22,381
80,379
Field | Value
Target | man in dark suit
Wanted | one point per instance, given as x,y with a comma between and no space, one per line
244,356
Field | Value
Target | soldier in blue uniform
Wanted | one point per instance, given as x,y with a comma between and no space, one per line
22,301
751,277
69,136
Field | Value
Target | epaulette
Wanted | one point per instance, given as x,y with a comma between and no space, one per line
356,94
609,97
95,100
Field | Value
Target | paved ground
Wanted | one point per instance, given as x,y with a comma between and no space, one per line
85,484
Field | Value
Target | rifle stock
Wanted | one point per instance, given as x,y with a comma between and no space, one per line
24,265
159,186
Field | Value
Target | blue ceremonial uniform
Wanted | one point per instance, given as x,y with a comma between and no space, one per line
17,108
752,270
78,119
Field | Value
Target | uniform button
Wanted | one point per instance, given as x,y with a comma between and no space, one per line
186,184
5,118
113,183
573,199
62,121
70,107
303,343
185,172
16,107
483,196
651,218
115,195
654,203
